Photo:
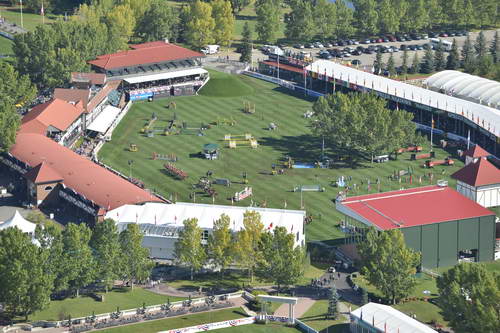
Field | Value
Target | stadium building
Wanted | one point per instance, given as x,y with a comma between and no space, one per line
454,118
154,69
161,223
442,224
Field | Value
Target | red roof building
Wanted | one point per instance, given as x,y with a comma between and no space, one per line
52,162
474,153
479,181
412,207
440,223
144,54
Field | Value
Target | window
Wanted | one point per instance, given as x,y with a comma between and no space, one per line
204,235
48,188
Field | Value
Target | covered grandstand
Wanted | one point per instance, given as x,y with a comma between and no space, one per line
454,118
154,69
466,86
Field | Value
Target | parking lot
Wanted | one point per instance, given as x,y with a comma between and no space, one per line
367,60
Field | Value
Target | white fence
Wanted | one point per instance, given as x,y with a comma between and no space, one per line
213,326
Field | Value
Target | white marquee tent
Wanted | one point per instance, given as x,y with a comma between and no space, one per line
20,222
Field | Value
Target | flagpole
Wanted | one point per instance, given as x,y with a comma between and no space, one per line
432,131
43,14
22,25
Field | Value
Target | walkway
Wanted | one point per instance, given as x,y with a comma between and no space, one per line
302,306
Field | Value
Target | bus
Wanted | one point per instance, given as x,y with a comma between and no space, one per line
434,42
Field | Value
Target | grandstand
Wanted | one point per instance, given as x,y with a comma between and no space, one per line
454,118
154,69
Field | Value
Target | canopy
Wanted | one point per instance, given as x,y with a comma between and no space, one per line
209,147
166,75
18,221
104,119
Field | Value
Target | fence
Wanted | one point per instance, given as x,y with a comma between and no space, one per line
304,327
213,326
284,83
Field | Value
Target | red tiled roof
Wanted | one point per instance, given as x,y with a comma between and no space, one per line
94,182
42,173
414,207
143,54
93,78
57,113
478,174
73,95
285,67
476,151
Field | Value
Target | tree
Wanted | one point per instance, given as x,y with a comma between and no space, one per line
79,262
224,21
484,66
435,13
344,23
402,8
469,17
246,50
106,247
378,65
9,123
439,58
388,18
248,241
468,57
333,301
201,24
220,245
14,86
158,22
24,286
391,68
453,60
300,24
404,60
495,48
325,18
135,264
268,19
367,16
281,261
480,45
415,65
361,125
388,263
428,64
419,17
188,249
238,5
121,23
469,298
364,296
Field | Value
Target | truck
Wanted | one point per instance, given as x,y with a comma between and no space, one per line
210,49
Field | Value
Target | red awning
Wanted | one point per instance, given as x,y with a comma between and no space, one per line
284,67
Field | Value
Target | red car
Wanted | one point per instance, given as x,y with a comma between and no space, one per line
391,38
444,34
380,40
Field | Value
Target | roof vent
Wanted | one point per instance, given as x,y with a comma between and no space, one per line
442,183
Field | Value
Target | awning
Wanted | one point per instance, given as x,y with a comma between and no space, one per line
167,75
104,119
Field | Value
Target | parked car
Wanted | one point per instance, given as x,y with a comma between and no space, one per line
318,44
433,34
357,52
356,62
366,41
309,45
386,40
412,47
420,47
341,43
395,49
298,46
328,44
356,42
403,47
391,38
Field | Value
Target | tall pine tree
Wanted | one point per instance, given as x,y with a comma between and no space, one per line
495,48
480,45
246,49
453,60
391,68
404,60
468,57
415,65
439,58
333,301
427,65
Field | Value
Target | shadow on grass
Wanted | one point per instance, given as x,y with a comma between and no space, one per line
337,328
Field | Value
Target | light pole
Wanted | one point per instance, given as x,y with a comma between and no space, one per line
22,25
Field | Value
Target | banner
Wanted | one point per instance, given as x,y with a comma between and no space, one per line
213,326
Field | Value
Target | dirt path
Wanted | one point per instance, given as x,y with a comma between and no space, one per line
302,306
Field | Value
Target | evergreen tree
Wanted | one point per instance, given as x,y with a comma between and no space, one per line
364,296
333,301
246,49
453,60
189,250
415,65
484,66
404,59
439,58
391,68
378,65
428,64
238,5
480,46
495,48
468,57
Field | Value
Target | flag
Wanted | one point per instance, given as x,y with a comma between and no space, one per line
373,321
285,204
155,219
42,12
291,230
433,122
270,226
136,217
385,327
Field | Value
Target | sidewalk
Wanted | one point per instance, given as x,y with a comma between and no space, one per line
302,306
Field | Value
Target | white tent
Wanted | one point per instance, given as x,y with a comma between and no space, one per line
20,222
104,119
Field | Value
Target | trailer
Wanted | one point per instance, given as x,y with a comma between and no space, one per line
415,157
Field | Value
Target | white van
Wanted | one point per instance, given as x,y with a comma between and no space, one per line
211,49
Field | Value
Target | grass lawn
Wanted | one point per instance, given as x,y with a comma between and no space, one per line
425,311
30,20
293,138
84,305
6,46
315,318
179,322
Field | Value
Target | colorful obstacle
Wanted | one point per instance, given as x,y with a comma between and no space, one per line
446,161
414,149
210,151
225,121
309,188
175,172
164,157
415,157
246,136
133,147
248,107
149,124
242,143
238,196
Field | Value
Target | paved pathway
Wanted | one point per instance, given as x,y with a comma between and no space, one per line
302,306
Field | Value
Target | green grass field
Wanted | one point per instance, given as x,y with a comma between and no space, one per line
293,138
315,318
259,328
84,305
179,322
30,20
